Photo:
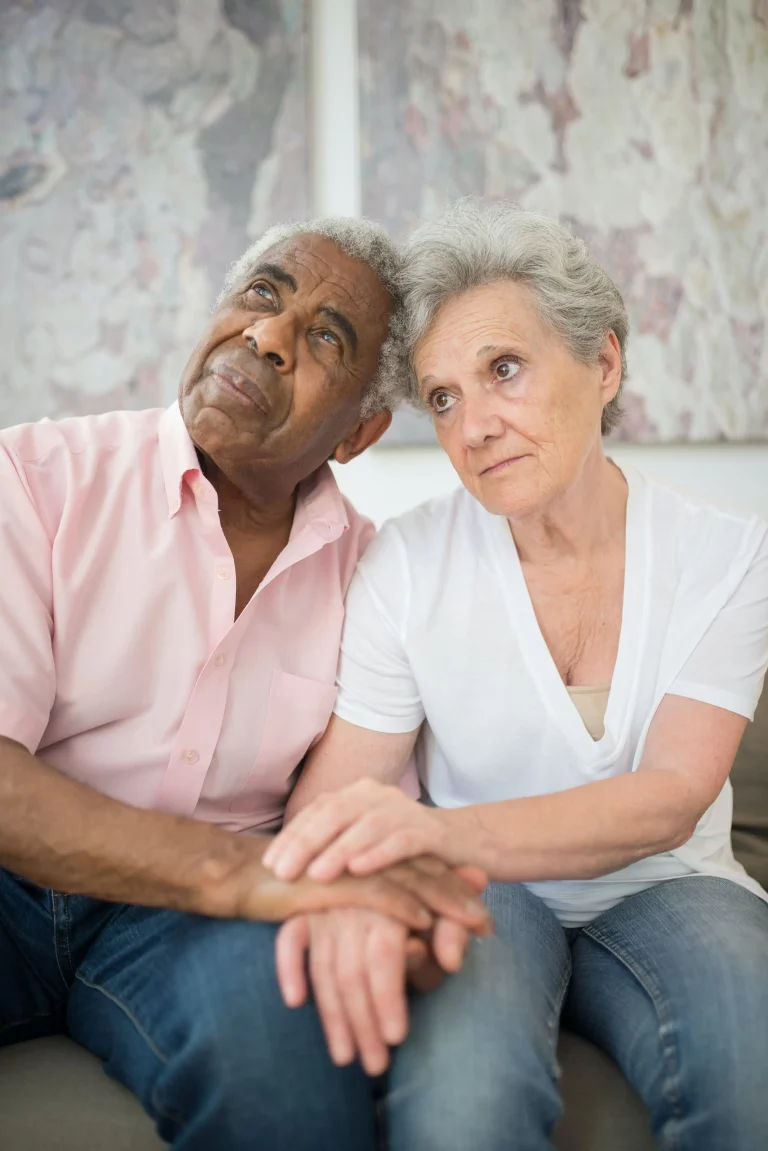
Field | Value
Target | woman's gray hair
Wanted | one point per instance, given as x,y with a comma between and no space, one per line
474,243
362,240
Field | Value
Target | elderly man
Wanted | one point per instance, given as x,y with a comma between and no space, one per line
170,614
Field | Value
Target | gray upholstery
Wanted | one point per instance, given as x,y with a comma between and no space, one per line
55,1097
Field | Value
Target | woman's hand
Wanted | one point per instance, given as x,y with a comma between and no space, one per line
364,828
414,893
359,962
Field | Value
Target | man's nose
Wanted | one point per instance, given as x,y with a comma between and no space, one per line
273,338
480,419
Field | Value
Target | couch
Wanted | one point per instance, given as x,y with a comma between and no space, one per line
54,1095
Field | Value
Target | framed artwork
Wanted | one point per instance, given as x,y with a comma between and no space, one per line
144,144
643,126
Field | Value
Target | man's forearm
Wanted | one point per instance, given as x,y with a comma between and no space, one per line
62,834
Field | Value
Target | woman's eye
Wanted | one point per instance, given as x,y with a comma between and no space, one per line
441,402
506,369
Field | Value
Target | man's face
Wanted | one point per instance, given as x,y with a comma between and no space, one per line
278,377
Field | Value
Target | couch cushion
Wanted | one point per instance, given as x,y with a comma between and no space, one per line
602,1111
54,1096
750,796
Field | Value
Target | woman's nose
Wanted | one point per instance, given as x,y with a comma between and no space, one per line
480,419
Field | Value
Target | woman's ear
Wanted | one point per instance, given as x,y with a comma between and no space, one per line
610,363
366,433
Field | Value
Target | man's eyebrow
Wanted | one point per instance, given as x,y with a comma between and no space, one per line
275,272
342,322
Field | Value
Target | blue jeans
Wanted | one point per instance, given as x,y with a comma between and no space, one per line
186,1012
672,983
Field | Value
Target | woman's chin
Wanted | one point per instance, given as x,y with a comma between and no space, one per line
505,494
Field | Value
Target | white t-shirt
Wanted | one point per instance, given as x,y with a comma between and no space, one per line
440,628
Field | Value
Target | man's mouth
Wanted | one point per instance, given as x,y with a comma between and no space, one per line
239,387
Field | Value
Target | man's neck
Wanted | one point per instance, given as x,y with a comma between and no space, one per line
262,507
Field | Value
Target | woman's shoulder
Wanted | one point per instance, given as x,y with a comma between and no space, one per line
422,536
705,534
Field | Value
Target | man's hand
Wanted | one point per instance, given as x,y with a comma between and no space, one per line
363,828
413,893
358,964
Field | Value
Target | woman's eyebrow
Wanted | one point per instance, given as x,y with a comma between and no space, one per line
493,350
341,320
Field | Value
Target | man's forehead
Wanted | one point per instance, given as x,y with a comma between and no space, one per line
319,266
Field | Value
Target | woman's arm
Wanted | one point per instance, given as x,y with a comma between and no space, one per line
583,832
347,753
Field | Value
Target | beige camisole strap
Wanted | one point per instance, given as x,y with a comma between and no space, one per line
591,702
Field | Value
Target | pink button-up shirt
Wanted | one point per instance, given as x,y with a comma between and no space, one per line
121,661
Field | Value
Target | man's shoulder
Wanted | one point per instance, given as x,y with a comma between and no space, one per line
47,440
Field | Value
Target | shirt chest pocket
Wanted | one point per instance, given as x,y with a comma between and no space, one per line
298,710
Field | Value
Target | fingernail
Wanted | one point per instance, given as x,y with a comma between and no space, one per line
425,919
283,869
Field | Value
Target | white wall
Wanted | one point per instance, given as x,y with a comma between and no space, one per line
387,481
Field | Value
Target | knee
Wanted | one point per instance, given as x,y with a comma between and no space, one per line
479,1060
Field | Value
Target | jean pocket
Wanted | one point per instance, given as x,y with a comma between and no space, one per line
298,710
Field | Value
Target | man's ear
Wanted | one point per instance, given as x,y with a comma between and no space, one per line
366,433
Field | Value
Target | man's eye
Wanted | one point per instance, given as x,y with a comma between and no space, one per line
264,291
329,337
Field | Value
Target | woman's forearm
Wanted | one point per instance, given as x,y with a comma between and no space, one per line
580,833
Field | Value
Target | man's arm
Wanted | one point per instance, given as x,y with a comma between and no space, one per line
62,834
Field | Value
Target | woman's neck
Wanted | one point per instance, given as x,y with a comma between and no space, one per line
580,520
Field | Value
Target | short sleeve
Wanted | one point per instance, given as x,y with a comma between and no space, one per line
728,665
27,672
376,685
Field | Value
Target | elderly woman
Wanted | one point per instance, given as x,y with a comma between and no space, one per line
574,651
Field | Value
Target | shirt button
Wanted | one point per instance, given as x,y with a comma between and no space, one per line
220,661
222,573
191,755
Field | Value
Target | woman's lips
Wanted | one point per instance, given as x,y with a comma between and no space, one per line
494,469
240,389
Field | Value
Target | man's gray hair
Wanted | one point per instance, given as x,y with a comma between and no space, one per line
362,240
474,243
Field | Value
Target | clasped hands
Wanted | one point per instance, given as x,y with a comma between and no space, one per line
360,961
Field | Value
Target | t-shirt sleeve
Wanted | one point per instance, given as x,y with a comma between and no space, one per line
27,670
377,689
728,665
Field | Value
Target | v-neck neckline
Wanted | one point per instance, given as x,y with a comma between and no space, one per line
631,636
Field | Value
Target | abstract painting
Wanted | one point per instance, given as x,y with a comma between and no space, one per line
144,143
643,125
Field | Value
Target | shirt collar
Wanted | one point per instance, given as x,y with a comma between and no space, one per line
178,457
320,504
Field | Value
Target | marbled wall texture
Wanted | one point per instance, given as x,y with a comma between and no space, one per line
143,143
643,124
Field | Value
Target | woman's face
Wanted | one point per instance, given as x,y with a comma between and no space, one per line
517,414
